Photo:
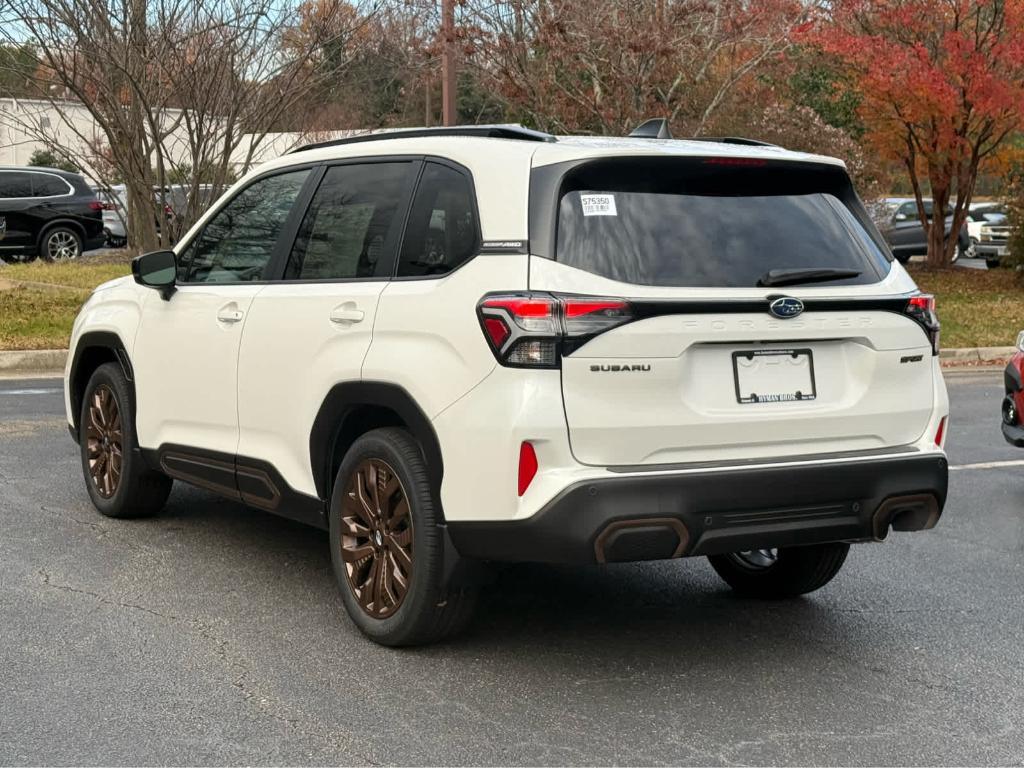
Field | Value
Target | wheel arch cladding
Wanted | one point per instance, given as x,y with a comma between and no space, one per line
93,350
353,408
66,224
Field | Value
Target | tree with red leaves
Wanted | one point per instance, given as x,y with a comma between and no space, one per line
942,86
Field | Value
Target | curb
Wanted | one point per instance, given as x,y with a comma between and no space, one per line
976,356
33,361
52,361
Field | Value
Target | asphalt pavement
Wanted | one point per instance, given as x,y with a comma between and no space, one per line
214,634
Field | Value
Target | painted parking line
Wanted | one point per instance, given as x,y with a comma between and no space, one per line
990,465
35,391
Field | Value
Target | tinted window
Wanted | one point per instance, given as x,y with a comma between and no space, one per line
351,223
237,242
48,185
15,184
724,228
442,229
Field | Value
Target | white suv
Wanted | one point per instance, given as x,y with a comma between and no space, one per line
454,346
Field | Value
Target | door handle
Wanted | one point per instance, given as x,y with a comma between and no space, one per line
347,314
230,313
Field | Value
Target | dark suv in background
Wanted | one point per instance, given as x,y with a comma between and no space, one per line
901,226
49,213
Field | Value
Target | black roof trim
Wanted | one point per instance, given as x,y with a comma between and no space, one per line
517,132
735,140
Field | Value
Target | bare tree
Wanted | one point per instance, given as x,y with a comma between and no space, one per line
179,90
572,65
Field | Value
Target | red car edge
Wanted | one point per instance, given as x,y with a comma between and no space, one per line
1013,403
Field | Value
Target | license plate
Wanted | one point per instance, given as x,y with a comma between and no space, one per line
774,375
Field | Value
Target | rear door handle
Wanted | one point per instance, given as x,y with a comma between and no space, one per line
346,314
230,313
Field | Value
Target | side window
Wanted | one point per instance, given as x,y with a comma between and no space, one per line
48,185
15,184
352,222
442,230
236,244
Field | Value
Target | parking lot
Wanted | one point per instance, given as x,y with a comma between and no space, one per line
213,634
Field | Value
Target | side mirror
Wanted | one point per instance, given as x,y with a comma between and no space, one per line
900,217
156,270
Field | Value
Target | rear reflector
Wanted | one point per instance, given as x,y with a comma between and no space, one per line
940,432
527,466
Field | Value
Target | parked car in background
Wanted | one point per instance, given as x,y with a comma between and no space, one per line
1013,403
978,215
47,212
994,242
115,215
906,237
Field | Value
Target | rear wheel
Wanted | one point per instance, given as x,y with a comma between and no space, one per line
992,263
388,547
61,244
783,572
118,480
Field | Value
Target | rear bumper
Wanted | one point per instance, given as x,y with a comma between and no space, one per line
651,517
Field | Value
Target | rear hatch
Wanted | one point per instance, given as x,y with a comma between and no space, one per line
764,318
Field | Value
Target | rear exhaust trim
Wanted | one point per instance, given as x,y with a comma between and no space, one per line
647,538
917,512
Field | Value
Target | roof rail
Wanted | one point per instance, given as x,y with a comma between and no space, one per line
483,131
735,140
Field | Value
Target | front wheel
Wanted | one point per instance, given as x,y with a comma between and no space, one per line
388,545
782,572
118,480
17,258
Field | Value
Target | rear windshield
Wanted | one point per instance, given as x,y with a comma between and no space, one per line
708,228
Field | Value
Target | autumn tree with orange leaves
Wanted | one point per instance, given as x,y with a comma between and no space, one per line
941,85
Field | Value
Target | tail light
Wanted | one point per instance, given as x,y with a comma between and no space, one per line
921,307
534,330
939,433
96,205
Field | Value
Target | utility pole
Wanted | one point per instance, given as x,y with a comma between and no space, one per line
448,116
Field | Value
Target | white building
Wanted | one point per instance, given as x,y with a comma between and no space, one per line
27,125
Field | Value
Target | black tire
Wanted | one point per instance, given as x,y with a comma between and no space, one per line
958,250
437,601
992,263
60,243
795,571
17,258
139,491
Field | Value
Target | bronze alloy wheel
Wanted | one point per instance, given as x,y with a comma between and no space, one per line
376,538
104,441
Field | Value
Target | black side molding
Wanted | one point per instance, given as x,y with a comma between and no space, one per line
253,482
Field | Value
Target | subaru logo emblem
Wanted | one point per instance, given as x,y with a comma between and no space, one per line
786,307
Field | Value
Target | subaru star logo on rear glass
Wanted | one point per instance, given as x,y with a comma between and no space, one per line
786,306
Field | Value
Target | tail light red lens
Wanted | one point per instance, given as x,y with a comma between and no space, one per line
527,466
921,307
96,205
939,433
534,330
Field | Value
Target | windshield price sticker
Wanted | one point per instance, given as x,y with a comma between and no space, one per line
598,205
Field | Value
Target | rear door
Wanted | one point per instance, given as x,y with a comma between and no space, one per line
716,364
311,327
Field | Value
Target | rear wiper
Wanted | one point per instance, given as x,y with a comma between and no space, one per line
797,276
